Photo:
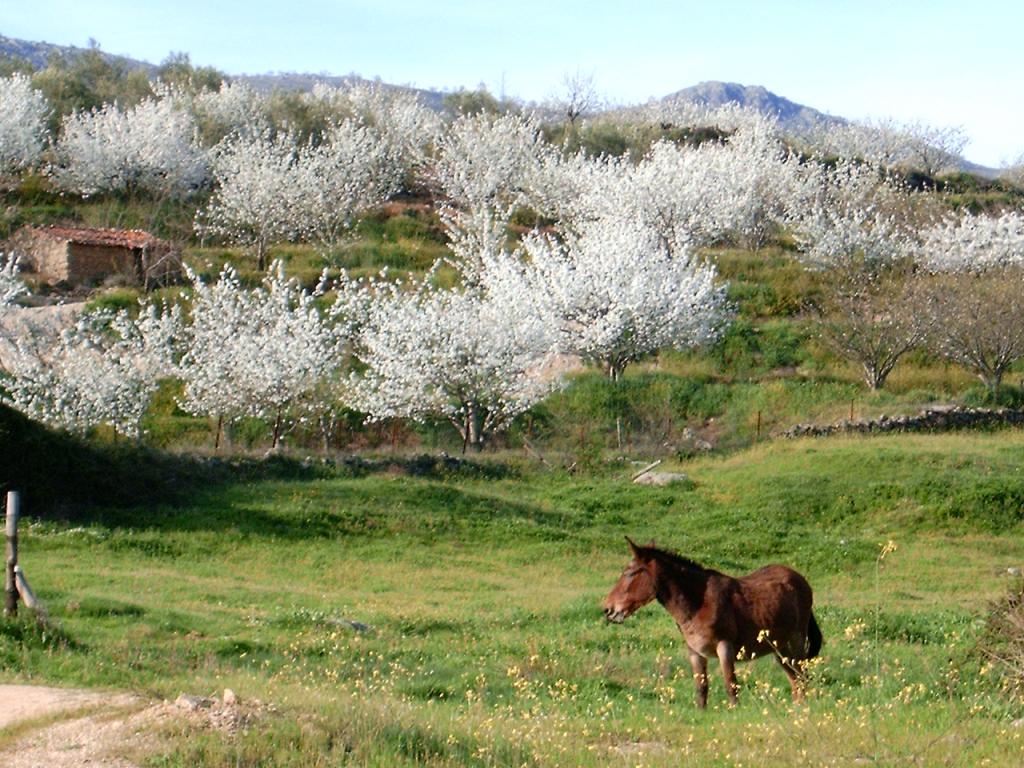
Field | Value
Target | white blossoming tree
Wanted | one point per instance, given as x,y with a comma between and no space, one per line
254,351
977,292
234,108
349,171
23,114
152,147
405,128
101,370
736,189
254,200
484,168
887,143
458,355
852,211
11,288
616,292
855,222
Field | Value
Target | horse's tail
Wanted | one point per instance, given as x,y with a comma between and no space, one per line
813,638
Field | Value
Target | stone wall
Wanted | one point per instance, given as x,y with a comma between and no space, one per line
939,419
46,257
94,263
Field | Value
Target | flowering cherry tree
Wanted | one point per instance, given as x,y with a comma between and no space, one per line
23,113
152,147
459,355
254,351
852,212
977,292
889,144
11,286
405,128
254,200
234,108
616,292
973,243
738,188
348,171
484,168
101,370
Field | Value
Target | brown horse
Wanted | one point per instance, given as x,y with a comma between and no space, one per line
765,613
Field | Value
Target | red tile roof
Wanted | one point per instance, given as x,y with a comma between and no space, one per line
121,238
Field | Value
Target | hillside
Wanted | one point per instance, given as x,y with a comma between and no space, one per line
793,116
38,54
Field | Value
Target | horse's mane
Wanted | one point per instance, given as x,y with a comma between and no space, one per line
674,558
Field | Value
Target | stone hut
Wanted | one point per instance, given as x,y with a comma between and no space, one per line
86,256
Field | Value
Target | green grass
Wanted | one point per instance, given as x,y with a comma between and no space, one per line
487,644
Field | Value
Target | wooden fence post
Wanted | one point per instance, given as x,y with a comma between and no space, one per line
10,583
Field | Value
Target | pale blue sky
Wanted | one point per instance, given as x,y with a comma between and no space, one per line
943,62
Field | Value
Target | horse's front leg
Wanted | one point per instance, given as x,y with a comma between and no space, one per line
699,665
727,658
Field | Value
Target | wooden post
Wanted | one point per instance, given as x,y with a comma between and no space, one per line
645,470
24,590
851,410
758,425
10,583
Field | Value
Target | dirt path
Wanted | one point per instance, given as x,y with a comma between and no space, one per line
44,727
74,728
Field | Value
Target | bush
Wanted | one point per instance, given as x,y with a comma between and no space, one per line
1003,640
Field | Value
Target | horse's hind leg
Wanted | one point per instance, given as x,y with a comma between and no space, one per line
699,665
795,672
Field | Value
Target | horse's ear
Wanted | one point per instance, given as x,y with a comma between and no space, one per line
636,549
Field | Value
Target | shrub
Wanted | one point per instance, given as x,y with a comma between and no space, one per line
1003,641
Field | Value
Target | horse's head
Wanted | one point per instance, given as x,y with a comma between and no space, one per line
635,587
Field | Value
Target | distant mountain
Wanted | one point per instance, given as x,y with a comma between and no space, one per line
38,54
792,116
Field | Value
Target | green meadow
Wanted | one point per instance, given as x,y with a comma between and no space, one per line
449,614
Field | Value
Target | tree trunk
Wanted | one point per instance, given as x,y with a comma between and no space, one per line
992,380
261,255
277,430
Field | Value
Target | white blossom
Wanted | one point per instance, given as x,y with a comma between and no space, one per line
254,351
11,286
348,171
851,211
398,117
616,292
101,370
485,167
254,200
736,188
234,108
153,147
890,144
973,243
23,113
459,355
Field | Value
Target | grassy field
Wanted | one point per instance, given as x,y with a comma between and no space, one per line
482,588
